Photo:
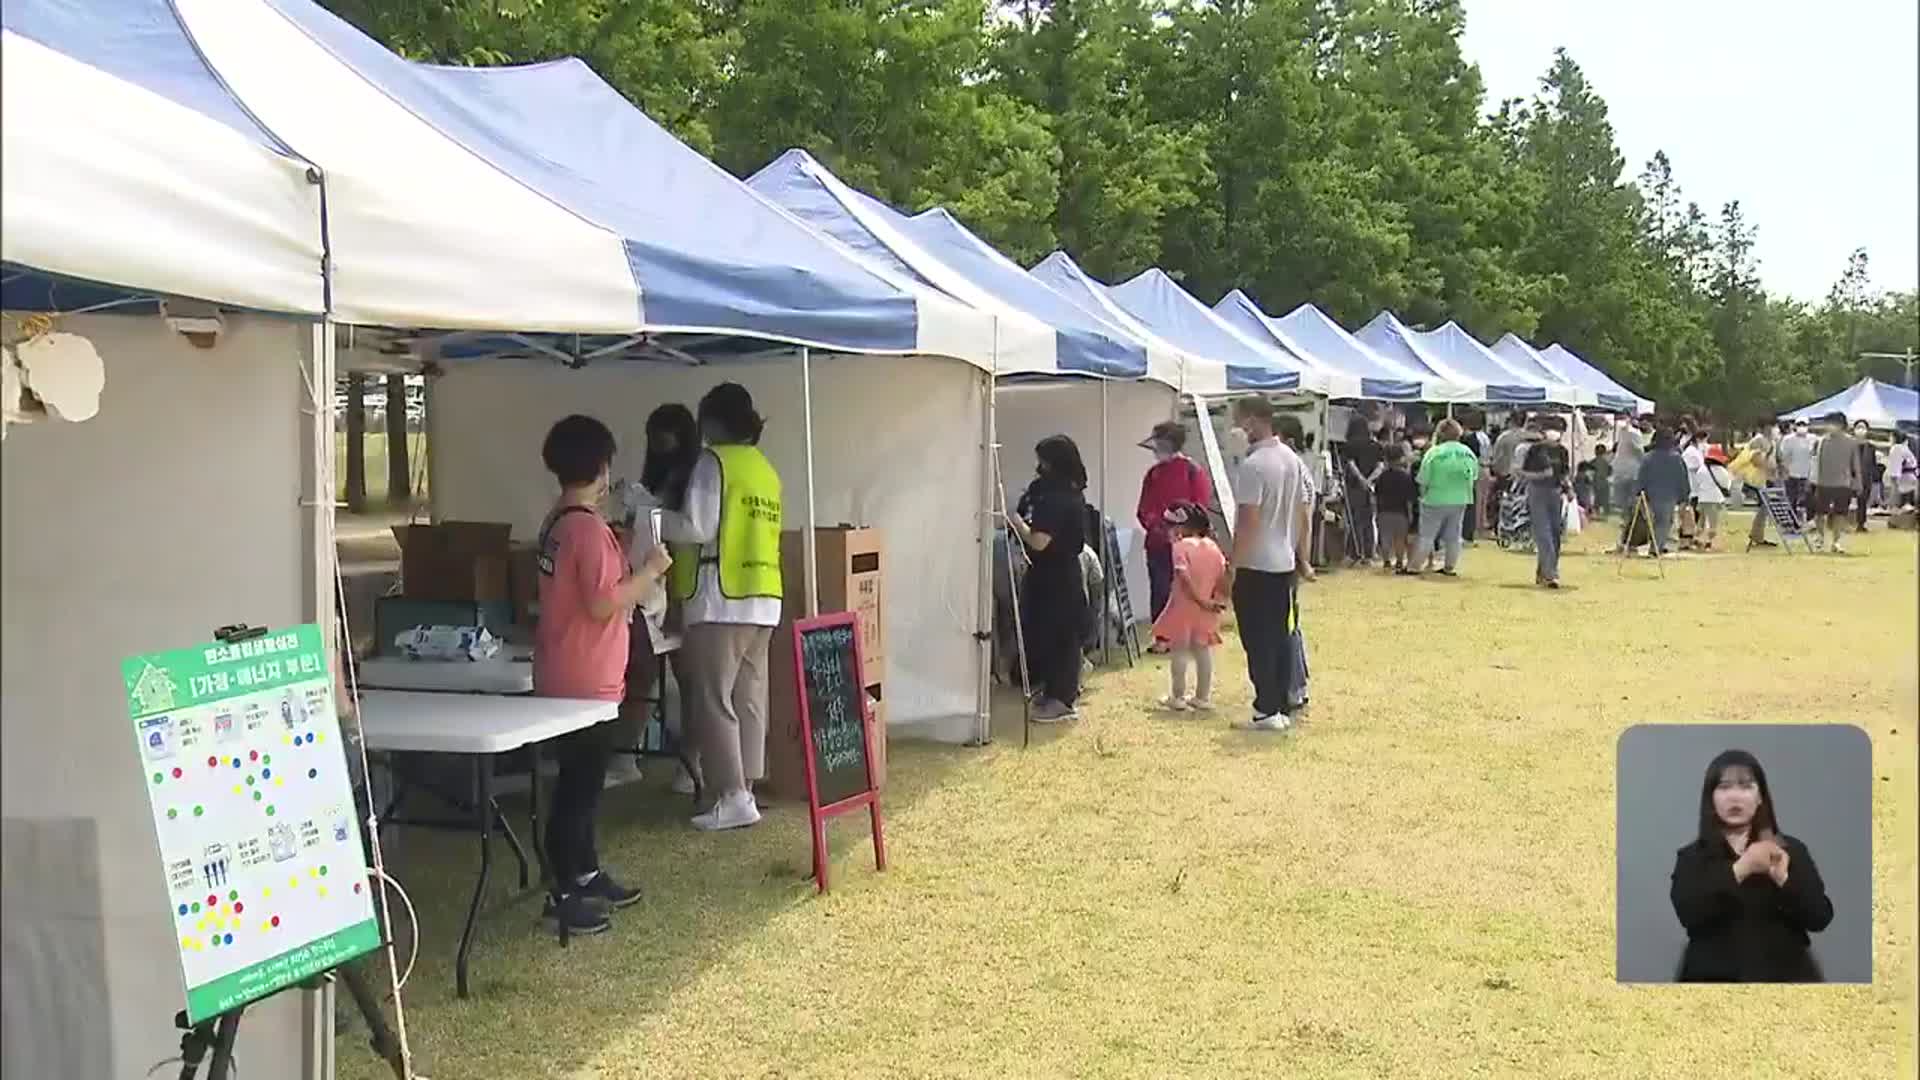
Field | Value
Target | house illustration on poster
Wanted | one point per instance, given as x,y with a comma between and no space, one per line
153,691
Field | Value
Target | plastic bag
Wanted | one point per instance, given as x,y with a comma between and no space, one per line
471,643
1570,510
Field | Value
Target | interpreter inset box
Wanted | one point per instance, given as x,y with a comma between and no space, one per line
1744,853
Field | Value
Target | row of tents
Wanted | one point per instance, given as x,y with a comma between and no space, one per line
310,171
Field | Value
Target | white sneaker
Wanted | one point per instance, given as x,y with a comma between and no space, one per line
683,781
1174,704
1276,722
623,769
735,810
1200,704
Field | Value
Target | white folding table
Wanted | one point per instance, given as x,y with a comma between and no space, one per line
478,726
499,675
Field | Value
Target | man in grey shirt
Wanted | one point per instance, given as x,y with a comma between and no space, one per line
1796,465
1270,538
1836,476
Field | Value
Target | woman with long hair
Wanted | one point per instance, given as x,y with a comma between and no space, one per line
1747,894
1051,523
673,449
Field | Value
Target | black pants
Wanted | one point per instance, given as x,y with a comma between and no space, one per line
1056,621
582,757
1363,541
1860,500
1800,496
1263,606
1159,577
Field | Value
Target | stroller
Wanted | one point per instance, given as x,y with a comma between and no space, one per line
1516,522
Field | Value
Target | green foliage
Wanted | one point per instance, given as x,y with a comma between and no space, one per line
1338,152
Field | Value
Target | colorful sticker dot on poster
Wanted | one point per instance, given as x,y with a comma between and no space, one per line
176,772
228,940
253,755
236,763
266,774
213,901
257,796
265,892
198,810
213,761
323,871
293,883
238,789
172,813
311,773
216,939
183,909
249,781
157,777
356,888
196,906
323,892
268,760
233,894
279,781
269,811
276,920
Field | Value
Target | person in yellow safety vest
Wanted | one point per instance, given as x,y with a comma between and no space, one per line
726,574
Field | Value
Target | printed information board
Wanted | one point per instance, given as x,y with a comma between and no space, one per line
253,808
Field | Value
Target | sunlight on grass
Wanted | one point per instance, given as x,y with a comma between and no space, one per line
1419,883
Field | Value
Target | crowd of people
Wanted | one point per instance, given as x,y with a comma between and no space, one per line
683,572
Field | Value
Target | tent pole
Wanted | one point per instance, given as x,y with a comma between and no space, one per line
317,1003
808,542
983,621
1100,541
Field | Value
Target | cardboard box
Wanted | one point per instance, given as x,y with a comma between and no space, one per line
460,561
850,580
523,582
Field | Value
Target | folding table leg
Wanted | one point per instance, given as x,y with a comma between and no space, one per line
533,817
513,842
484,812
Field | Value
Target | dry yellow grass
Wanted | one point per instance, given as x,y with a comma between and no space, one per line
1418,884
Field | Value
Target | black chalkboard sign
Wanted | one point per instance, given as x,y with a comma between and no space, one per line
833,719
836,708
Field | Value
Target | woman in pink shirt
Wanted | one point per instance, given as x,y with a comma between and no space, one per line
580,651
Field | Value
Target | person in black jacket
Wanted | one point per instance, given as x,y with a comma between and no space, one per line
1747,894
1051,522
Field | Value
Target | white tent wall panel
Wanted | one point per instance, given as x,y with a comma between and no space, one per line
896,446
1025,413
174,511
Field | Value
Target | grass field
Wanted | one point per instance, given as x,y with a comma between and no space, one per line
1417,884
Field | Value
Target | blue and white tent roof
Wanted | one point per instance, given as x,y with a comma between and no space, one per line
1521,356
126,161
1041,331
1462,352
1172,312
1058,271
1388,336
1608,392
1353,370
1881,405
525,199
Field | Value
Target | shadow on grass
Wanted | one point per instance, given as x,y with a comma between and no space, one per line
705,894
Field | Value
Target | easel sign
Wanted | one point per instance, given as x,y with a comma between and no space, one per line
253,809
836,730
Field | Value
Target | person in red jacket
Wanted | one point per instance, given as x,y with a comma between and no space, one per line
1174,479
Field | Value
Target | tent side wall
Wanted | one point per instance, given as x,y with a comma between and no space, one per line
1025,413
896,446
174,511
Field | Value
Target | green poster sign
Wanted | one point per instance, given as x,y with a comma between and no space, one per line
253,812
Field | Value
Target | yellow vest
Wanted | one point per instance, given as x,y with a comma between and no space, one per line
747,543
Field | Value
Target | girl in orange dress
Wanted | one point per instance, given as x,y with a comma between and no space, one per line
1189,626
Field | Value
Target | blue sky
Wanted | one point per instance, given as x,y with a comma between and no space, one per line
1805,112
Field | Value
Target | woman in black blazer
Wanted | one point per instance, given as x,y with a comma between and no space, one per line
1747,894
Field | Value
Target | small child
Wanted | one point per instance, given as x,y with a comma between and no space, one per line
1190,624
1583,481
1394,496
1602,480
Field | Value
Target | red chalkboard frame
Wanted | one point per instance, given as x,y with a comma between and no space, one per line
869,799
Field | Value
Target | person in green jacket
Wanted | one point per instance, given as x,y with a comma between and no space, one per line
1446,478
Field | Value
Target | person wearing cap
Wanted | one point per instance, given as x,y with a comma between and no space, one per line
1174,479
726,575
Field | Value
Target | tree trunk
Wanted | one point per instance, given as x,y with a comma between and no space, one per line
356,443
399,475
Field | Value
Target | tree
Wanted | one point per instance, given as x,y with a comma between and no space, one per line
356,443
399,474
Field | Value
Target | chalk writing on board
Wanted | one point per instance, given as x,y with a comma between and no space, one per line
829,674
